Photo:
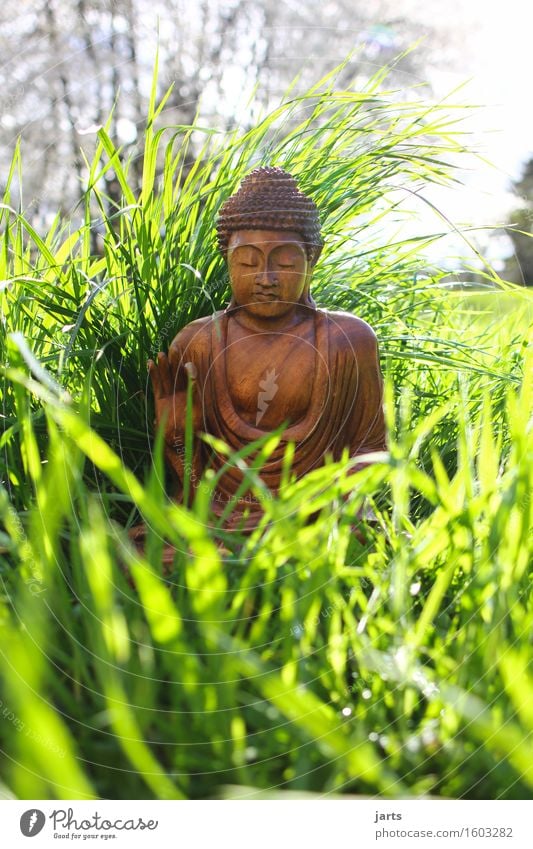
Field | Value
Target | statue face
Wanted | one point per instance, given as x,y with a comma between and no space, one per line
268,270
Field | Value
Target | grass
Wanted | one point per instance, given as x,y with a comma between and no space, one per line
299,659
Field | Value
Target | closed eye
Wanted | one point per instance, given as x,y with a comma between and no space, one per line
281,265
248,264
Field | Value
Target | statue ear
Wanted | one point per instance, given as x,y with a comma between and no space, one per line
316,250
306,294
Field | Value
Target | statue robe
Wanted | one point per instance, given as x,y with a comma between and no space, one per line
344,411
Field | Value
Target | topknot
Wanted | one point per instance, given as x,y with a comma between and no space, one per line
269,199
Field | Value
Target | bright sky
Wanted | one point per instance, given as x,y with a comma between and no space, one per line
489,44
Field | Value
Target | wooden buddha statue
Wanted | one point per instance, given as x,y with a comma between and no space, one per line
271,358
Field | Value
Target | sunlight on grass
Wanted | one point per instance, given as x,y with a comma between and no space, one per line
297,658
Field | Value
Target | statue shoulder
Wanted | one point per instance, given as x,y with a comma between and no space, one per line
351,331
193,339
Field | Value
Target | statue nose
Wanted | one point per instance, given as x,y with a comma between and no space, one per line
266,278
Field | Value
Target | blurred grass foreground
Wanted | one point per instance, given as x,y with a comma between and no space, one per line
298,658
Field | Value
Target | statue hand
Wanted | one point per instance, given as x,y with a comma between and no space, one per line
170,396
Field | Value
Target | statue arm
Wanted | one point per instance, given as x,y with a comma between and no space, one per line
366,428
170,376
367,425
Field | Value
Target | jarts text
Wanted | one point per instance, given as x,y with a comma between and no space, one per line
380,817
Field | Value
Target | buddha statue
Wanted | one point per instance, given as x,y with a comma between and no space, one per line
271,359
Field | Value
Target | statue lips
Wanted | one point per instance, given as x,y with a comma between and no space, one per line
266,292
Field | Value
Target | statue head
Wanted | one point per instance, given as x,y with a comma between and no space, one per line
269,232
269,199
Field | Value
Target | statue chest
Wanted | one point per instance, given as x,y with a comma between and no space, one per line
270,375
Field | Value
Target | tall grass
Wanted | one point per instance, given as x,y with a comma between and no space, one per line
298,658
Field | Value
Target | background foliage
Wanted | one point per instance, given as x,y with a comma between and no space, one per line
64,63
298,658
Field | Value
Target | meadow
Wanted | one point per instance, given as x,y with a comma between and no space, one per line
298,659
